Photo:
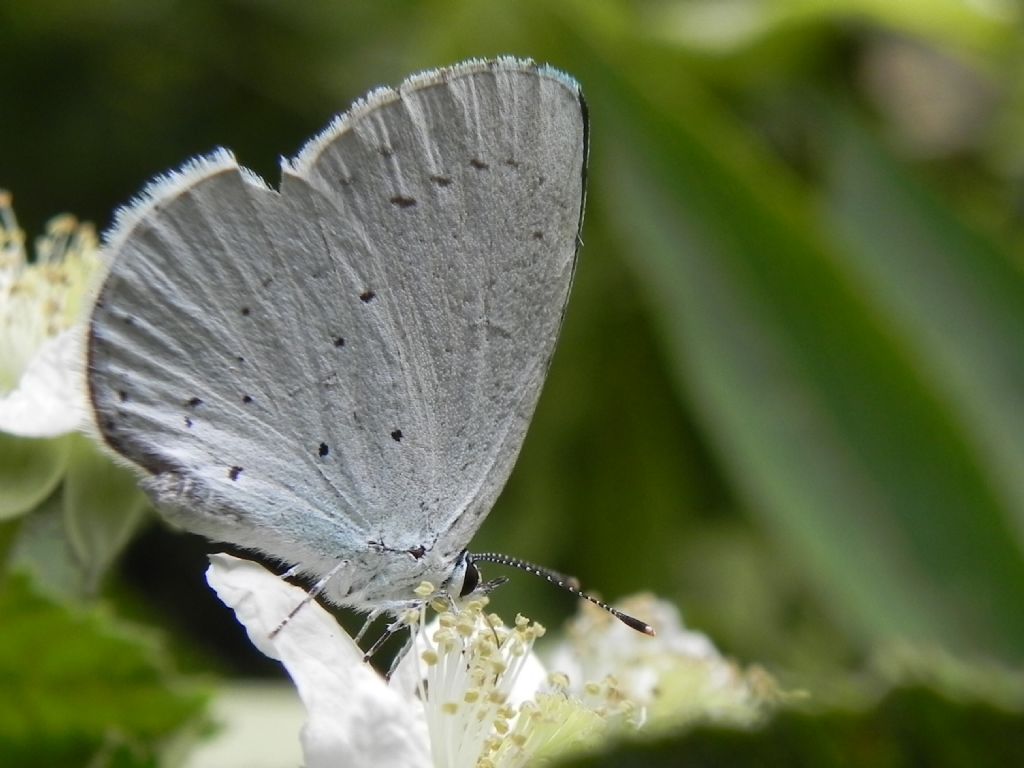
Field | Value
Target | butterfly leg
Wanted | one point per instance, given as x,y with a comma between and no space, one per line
391,629
401,654
372,617
311,595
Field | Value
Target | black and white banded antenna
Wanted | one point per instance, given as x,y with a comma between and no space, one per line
568,583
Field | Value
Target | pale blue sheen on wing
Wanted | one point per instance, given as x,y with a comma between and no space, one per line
343,371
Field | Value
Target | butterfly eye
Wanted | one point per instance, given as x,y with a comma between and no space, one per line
471,580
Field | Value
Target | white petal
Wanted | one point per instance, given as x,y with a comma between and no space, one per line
599,645
50,397
532,678
354,718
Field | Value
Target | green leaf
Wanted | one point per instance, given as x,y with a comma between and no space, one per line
103,508
956,296
822,419
40,549
910,726
951,23
30,469
82,690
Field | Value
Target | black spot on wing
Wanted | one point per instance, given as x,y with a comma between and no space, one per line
246,311
323,450
367,296
396,435
194,402
246,399
403,202
234,472
339,342
479,164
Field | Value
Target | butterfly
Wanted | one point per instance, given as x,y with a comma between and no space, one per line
339,373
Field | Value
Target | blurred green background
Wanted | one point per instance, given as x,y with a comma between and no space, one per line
789,393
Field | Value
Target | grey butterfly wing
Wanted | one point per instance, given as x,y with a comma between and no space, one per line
482,172
344,371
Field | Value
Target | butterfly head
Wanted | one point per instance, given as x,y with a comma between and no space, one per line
466,581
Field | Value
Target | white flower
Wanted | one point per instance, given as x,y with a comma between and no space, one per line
354,718
678,677
471,692
42,308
